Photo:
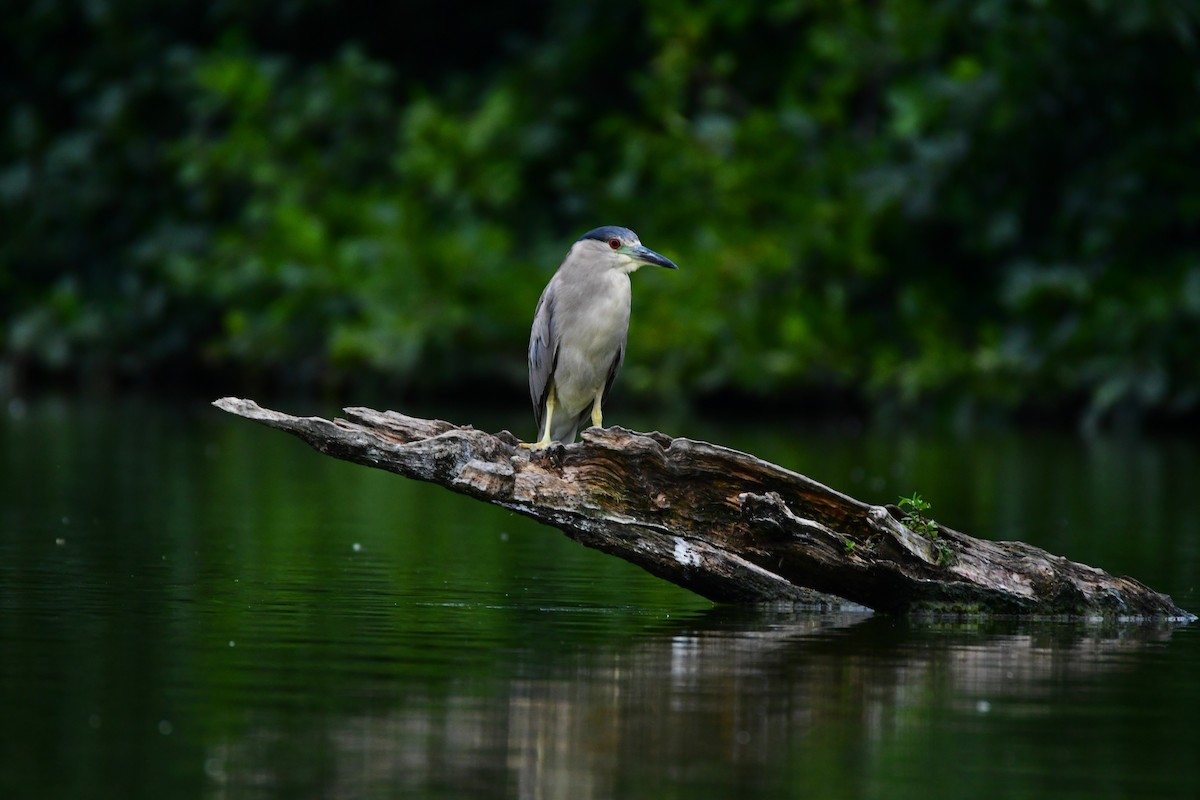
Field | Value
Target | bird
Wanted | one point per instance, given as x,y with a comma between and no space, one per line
580,328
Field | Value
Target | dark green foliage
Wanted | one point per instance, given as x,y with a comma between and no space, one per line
917,203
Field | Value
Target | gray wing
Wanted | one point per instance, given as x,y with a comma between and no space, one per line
543,353
614,369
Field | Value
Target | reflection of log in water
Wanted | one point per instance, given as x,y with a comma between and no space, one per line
739,691
724,524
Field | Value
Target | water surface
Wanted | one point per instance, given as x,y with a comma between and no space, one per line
192,605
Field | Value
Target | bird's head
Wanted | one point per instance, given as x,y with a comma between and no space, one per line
619,248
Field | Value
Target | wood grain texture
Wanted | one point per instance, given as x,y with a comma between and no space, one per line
722,523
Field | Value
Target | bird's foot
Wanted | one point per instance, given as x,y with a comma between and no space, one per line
546,450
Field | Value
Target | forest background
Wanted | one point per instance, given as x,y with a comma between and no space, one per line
944,207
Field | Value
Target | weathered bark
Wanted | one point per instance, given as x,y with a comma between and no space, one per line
722,523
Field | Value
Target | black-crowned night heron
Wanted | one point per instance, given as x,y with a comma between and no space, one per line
579,331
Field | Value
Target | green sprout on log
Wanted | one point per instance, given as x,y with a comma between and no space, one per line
916,518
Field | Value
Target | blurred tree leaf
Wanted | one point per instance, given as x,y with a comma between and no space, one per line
912,203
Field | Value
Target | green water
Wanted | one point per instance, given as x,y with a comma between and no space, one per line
192,605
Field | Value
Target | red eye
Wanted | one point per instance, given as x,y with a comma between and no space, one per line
615,244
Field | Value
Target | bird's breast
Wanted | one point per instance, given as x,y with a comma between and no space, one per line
601,319
592,330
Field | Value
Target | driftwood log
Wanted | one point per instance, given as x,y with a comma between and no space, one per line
724,524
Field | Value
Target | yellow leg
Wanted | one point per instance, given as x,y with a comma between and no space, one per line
544,442
597,415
